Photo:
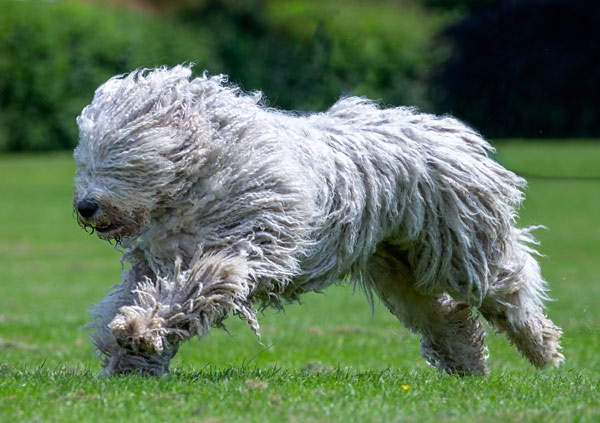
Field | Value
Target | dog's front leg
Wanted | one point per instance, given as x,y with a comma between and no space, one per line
118,357
166,311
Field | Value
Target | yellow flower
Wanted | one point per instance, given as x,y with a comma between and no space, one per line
405,387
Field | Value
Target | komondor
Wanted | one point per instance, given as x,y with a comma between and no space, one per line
223,206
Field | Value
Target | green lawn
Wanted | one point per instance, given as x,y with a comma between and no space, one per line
327,360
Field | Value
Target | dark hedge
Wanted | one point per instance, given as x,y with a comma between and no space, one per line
527,68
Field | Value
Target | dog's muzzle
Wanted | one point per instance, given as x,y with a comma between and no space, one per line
90,215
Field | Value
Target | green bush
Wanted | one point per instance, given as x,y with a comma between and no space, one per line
382,50
304,54
54,54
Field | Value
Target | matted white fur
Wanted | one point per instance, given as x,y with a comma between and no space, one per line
222,205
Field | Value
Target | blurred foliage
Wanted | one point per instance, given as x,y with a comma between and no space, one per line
303,54
510,68
54,54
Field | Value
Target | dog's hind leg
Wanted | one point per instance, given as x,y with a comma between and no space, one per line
453,336
513,305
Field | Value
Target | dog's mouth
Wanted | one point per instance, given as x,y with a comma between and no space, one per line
103,230
111,225
107,228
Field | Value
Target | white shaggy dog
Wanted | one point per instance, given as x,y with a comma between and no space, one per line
222,206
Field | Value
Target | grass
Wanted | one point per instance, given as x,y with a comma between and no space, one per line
326,360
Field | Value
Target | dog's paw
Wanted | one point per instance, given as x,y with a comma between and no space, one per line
126,362
139,330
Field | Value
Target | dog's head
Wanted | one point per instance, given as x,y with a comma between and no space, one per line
141,144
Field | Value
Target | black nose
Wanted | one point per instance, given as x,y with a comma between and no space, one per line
87,208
